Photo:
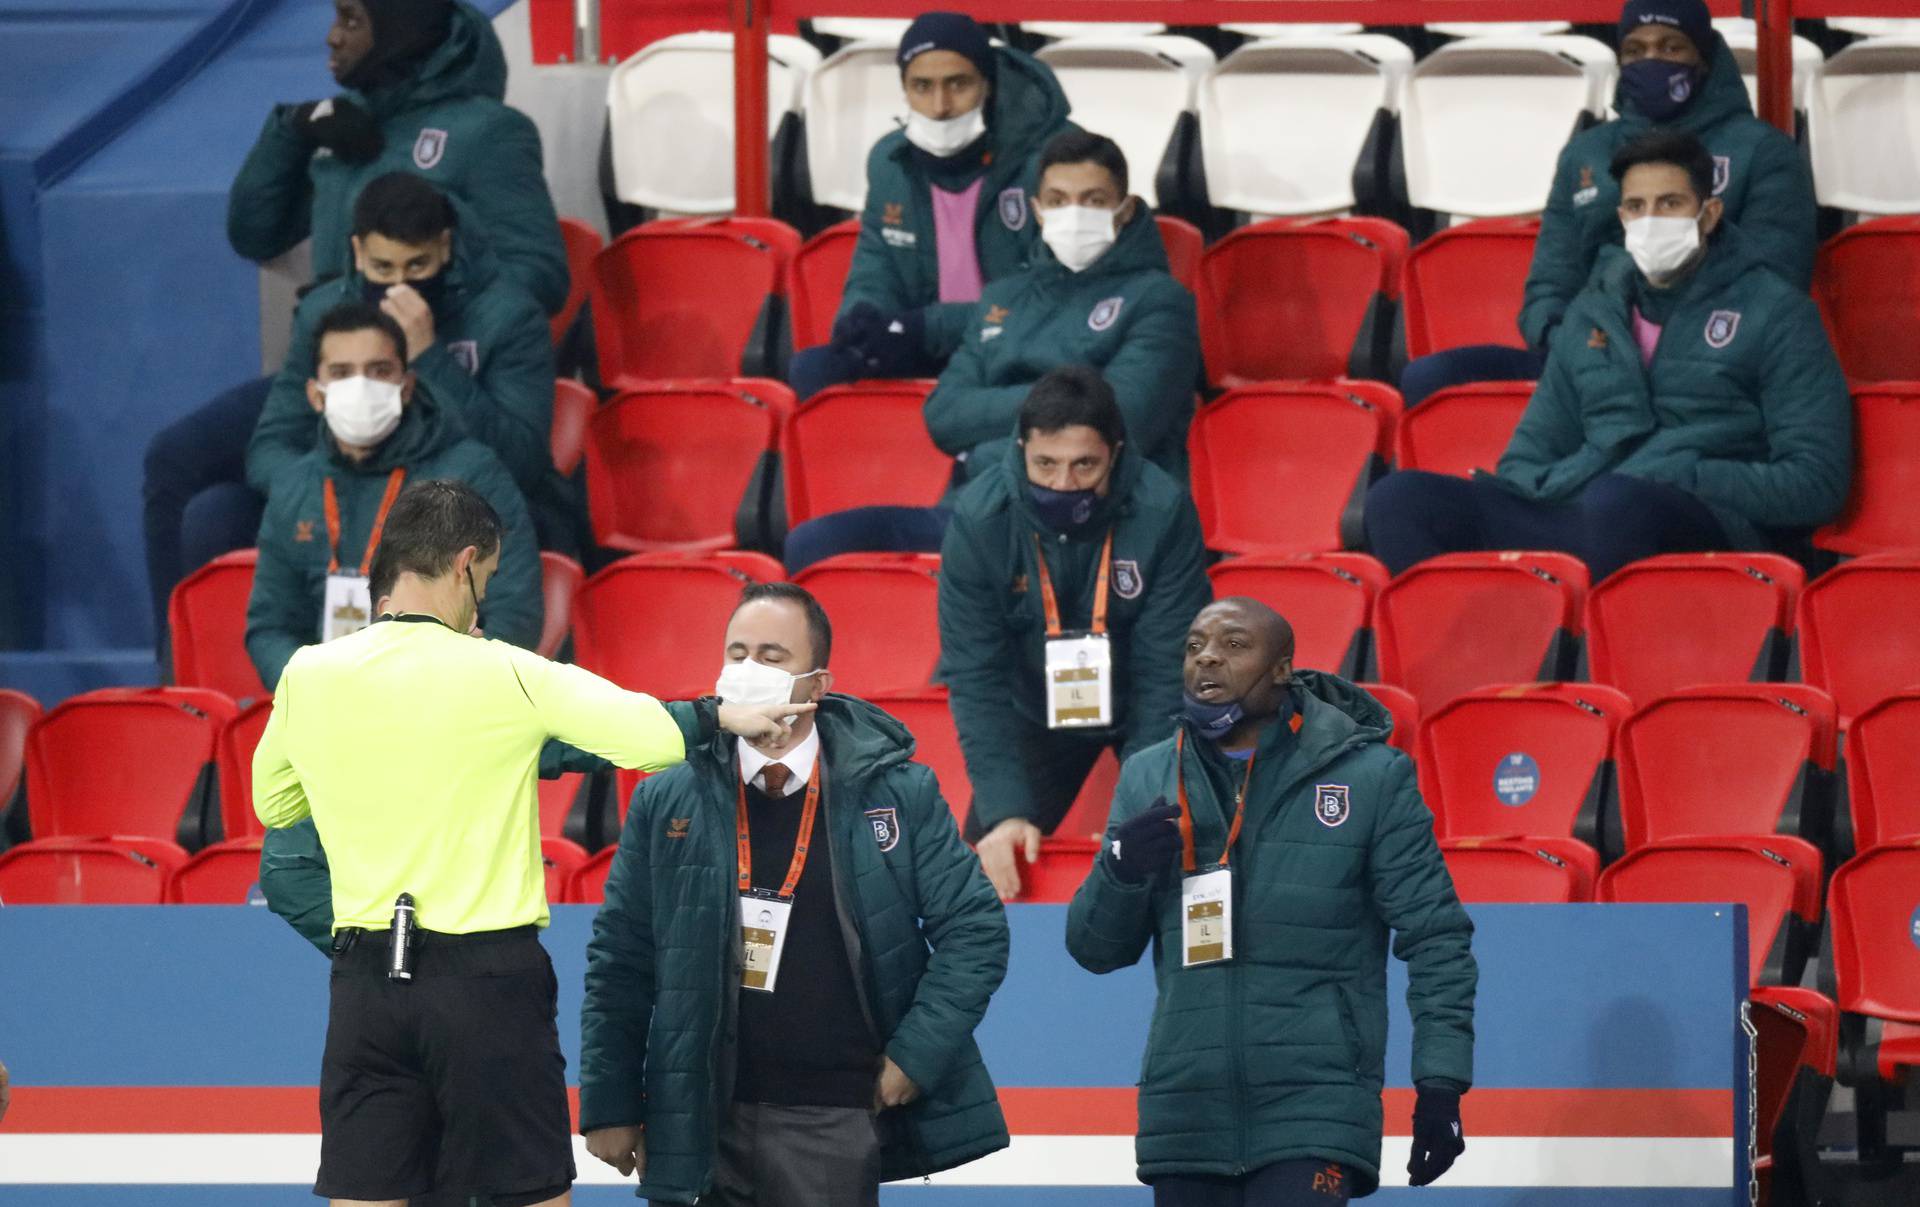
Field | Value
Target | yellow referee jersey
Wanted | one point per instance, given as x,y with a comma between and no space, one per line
415,749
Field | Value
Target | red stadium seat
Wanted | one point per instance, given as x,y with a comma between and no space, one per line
1860,631
1294,298
1883,509
1873,900
1722,760
690,299
207,619
18,712
235,753
936,743
589,884
1799,1030
885,618
1867,281
583,243
560,579
1402,707
1462,428
1517,871
1522,762
1281,467
1464,285
1093,805
563,860
1060,871
684,466
1883,772
861,445
1185,246
88,871
1658,625
1467,620
226,873
653,623
1327,597
124,763
816,279
557,797
1771,882
573,407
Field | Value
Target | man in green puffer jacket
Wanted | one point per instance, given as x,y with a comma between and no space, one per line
733,1068
1691,402
1676,73
423,82
947,208
1266,1057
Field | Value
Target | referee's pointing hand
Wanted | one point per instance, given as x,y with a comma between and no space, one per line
761,722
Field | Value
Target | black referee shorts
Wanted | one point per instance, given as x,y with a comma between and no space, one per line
451,1083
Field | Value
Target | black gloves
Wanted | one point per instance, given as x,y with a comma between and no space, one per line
1436,1133
885,345
342,127
1145,843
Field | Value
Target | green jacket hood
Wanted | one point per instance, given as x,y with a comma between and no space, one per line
1723,95
1730,256
1137,248
1027,106
853,732
423,432
1124,480
469,63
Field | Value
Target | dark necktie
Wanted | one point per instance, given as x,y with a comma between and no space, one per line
775,777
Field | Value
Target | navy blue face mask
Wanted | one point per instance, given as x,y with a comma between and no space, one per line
1214,721
1658,89
432,291
1062,510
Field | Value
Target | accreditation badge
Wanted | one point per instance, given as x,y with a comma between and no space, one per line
1206,918
763,936
348,609
1079,681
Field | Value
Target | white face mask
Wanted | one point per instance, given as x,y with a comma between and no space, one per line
1662,246
1077,235
949,137
750,682
361,411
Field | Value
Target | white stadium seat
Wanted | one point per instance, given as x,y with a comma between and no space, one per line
1499,29
852,99
1283,120
1133,90
1877,27
1863,122
1482,121
1744,41
670,114
862,29
1092,29
1276,29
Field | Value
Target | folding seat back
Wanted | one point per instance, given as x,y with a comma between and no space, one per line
1865,92
573,406
1402,708
1738,759
560,579
227,873
1064,30
852,100
1293,299
1321,440
1706,872
1468,620
125,763
18,712
1464,285
1797,1044
562,859
589,884
1883,509
631,620
83,872
1686,619
1859,631
1537,91
861,445
1350,83
816,279
674,300
670,118
1523,760
1093,804
1876,963
238,738
207,619
1883,771
1462,428
1867,281
583,243
1137,91
936,744
886,619
1060,871
1327,597
1185,246
1511,874
684,467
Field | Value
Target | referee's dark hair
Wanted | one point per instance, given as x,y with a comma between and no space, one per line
1073,396
819,628
431,522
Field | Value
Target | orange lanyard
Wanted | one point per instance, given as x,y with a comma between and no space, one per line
330,502
1052,605
800,843
1188,862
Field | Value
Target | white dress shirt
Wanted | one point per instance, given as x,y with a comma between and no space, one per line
799,761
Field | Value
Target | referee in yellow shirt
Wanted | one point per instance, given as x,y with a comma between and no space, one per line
414,746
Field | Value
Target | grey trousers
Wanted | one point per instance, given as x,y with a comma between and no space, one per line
796,1156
